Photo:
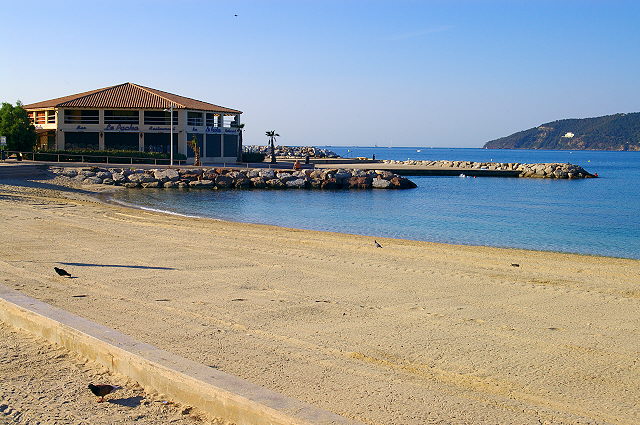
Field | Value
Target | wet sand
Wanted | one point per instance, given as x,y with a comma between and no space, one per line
411,333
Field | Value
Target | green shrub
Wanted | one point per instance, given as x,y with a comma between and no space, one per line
252,157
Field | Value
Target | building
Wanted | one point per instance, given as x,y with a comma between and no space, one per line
132,117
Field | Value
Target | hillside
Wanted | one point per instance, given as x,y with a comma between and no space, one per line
619,132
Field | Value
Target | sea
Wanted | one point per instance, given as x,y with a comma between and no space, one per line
598,216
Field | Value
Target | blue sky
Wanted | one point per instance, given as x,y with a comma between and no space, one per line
402,73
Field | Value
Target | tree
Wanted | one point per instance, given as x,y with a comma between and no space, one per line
15,125
196,151
272,139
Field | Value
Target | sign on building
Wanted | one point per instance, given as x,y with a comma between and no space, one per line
3,140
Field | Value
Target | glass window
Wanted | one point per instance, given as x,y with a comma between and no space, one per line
230,145
121,117
121,141
194,118
77,141
214,145
77,116
211,120
160,142
160,117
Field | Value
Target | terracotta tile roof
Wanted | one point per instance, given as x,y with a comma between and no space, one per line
129,95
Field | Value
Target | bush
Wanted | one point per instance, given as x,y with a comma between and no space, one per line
113,157
252,157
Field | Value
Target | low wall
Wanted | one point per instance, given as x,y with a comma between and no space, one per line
225,178
214,392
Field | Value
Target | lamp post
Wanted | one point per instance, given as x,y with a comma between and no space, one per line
170,110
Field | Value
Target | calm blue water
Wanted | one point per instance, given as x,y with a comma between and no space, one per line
592,216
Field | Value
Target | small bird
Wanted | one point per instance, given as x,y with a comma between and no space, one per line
377,244
515,265
102,390
61,272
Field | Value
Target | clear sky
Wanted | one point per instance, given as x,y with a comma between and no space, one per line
406,73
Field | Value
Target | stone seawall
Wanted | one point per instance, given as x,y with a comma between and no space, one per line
543,170
229,178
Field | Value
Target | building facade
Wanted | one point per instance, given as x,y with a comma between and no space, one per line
132,117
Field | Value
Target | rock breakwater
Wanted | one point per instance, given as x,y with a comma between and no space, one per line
230,178
542,170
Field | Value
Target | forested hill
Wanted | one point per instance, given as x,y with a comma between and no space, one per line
619,132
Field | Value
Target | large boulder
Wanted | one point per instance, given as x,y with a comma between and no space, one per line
331,183
140,178
359,183
268,174
70,172
275,183
151,184
402,183
92,180
202,184
379,183
118,177
166,175
259,182
224,182
297,183
242,183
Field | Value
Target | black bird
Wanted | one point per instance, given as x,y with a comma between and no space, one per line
515,265
102,390
61,272
377,244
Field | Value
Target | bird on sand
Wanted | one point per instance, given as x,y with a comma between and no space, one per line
377,244
61,272
102,390
515,265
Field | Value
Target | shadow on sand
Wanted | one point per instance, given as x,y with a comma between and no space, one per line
127,402
116,265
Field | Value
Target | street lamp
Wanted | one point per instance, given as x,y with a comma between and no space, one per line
170,110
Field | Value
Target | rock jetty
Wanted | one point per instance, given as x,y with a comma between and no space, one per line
543,170
293,151
233,178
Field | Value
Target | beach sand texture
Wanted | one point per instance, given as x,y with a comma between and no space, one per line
45,384
411,333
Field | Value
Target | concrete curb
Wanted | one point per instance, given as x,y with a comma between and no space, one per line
216,393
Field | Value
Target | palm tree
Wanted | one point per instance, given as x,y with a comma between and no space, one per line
272,138
193,143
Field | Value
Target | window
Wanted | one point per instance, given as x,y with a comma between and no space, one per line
51,117
76,116
160,117
40,117
194,118
211,120
121,117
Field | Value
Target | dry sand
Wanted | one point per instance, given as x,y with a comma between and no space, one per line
45,384
412,333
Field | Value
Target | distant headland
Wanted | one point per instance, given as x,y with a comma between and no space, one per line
619,132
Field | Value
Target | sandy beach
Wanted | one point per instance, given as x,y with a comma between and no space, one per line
412,333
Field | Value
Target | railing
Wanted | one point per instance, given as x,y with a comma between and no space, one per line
64,157
107,159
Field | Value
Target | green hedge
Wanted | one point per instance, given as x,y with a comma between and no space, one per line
111,156
252,157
